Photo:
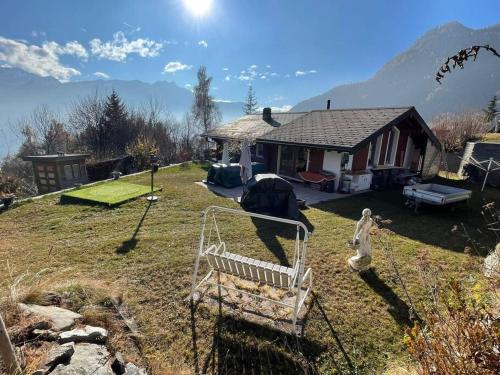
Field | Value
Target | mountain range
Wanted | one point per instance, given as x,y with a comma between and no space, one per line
21,92
409,78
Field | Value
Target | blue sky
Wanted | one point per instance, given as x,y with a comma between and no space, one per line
289,50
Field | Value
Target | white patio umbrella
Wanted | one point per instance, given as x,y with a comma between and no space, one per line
245,163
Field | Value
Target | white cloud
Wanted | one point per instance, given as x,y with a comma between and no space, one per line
287,75
35,33
273,74
268,66
284,108
227,78
263,76
42,61
120,47
253,67
71,48
175,66
133,29
278,98
203,43
243,77
303,73
101,75
225,69
224,101
188,85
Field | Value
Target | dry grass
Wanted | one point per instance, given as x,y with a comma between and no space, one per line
146,254
491,137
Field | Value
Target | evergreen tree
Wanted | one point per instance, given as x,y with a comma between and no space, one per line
491,110
251,102
114,132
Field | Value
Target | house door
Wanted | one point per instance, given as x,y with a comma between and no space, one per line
292,160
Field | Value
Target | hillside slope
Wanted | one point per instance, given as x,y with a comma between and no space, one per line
408,79
21,92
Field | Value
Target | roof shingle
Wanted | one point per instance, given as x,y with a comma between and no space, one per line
342,128
252,126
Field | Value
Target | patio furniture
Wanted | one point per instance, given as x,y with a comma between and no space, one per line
292,279
322,179
268,193
228,175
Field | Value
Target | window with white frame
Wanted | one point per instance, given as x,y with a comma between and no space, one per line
392,146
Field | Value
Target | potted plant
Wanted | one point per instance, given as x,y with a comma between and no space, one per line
116,174
7,199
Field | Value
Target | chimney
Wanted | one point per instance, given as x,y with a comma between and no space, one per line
266,114
328,104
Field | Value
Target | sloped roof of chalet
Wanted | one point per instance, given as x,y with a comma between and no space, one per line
343,129
252,126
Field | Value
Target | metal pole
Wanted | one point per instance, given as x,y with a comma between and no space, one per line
7,351
487,172
152,172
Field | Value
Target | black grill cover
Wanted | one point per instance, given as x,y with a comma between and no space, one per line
270,194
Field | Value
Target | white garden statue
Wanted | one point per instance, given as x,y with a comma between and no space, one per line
361,242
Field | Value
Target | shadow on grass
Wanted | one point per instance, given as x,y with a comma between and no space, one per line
344,364
242,347
269,231
398,308
434,225
131,243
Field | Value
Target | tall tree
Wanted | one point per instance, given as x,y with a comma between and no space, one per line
204,110
250,105
115,132
491,109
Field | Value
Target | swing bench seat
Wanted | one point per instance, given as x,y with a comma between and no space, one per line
296,280
250,269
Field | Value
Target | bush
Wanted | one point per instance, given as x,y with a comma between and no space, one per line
455,130
140,151
461,334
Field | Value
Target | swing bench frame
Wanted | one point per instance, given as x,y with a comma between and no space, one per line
291,279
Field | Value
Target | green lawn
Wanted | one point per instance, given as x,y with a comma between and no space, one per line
110,193
146,253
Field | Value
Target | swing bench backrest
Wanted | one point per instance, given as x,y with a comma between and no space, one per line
251,269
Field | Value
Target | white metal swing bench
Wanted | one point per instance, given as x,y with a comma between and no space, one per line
219,259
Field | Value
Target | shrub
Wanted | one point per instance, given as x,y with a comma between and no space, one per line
461,334
455,130
140,151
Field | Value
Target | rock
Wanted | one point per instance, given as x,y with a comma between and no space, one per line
60,319
88,359
88,334
118,364
57,355
44,335
132,369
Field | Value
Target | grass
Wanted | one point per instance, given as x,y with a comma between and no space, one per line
355,324
491,137
110,193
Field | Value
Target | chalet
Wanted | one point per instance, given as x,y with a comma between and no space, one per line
360,142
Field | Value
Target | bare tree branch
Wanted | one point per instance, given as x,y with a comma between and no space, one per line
460,58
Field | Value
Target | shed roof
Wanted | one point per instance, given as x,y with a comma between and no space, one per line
252,126
56,157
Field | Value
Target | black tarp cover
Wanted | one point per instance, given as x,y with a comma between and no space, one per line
270,194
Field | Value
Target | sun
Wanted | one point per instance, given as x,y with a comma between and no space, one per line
198,7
